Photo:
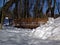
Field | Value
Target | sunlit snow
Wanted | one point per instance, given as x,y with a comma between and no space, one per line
45,34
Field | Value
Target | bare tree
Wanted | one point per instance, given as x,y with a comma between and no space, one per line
38,8
16,9
20,15
50,7
41,8
26,8
49,2
58,7
53,8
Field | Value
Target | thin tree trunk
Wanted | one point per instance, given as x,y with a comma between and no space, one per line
49,2
58,7
16,9
20,9
36,8
41,8
38,11
26,8
53,8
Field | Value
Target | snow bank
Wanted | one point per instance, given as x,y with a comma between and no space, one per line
49,30
19,36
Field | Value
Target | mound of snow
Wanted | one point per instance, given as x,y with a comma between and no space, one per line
47,31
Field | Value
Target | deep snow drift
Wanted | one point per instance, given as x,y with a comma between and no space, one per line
47,34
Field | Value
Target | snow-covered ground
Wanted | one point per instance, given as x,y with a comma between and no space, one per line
47,34
51,30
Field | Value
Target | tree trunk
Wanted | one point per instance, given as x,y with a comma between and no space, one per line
53,8
49,2
38,11
20,9
7,5
36,8
58,7
16,9
26,8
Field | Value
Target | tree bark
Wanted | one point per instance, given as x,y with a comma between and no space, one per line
16,9
36,8
38,11
51,8
26,8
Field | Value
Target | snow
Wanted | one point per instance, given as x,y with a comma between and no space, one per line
47,34
48,30
9,37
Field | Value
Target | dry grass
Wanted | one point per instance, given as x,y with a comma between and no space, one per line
29,22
